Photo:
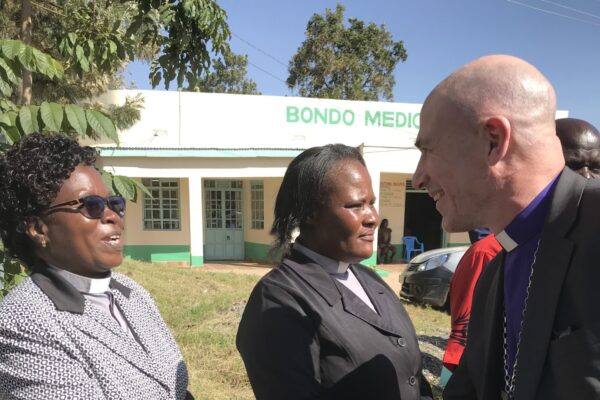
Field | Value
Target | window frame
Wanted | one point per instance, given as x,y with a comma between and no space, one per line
161,208
257,205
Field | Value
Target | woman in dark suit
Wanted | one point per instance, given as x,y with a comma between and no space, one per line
320,325
74,329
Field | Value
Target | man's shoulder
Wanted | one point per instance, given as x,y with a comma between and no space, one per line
487,247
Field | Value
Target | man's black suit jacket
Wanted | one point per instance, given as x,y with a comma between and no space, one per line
559,354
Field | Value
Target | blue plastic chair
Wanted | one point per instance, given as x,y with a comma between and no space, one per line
412,245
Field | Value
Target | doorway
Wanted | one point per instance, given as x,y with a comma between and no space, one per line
224,231
421,219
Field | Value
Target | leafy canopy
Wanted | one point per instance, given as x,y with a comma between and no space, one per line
354,62
55,55
228,75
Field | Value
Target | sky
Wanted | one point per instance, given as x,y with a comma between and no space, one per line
560,37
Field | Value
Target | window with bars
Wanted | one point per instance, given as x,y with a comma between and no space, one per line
161,211
257,204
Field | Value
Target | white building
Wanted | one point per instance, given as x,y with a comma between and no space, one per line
214,163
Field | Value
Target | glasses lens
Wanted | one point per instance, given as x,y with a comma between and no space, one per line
93,206
117,204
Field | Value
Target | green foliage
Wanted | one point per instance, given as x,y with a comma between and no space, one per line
93,41
15,121
124,185
17,57
127,115
354,63
228,75
190,25
11,272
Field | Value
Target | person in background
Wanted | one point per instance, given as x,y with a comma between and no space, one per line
490,157
321,325
581,146
73,329
384,247
483,249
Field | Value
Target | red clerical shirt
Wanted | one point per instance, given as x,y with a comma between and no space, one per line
461,295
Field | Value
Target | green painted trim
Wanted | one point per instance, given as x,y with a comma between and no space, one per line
158,253
197,261
205,153
382,273
457,244
256,252
399,252
371,261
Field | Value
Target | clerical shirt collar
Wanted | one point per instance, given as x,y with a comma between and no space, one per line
83,284
330,265
529,221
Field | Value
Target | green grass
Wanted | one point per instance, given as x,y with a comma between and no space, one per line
203,310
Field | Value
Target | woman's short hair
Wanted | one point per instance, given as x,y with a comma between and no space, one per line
303,190
32,172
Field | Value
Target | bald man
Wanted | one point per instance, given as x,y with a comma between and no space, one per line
581,146
490,157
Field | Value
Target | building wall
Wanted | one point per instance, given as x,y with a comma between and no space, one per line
196,136
258,241
457,239
158,245
392,195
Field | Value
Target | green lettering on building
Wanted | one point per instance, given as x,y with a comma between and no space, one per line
334,116
292,114
372,119
388,119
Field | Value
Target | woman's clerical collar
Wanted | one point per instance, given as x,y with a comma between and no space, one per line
330,265
83,284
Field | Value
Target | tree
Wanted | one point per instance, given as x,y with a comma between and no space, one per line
58,54
228,75
354,63
94,40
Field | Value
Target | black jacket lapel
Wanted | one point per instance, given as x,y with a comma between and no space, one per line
492,318
376,290
333,292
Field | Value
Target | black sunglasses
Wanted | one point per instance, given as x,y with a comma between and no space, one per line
92,206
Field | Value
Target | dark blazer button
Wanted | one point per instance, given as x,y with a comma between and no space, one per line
412,381
401,342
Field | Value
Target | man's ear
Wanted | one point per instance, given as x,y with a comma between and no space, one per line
37,230
497,131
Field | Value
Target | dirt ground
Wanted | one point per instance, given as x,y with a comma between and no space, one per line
251,268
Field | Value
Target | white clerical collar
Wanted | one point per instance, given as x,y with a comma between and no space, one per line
330,265
83,284
507,243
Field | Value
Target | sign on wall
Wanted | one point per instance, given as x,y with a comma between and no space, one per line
391,194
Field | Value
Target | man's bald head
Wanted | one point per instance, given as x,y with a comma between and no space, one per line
500,85
581,146
488,143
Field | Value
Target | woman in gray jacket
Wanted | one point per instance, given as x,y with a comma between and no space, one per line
74,329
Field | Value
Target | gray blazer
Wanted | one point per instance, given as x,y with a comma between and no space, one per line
559,354
303,335
54,344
